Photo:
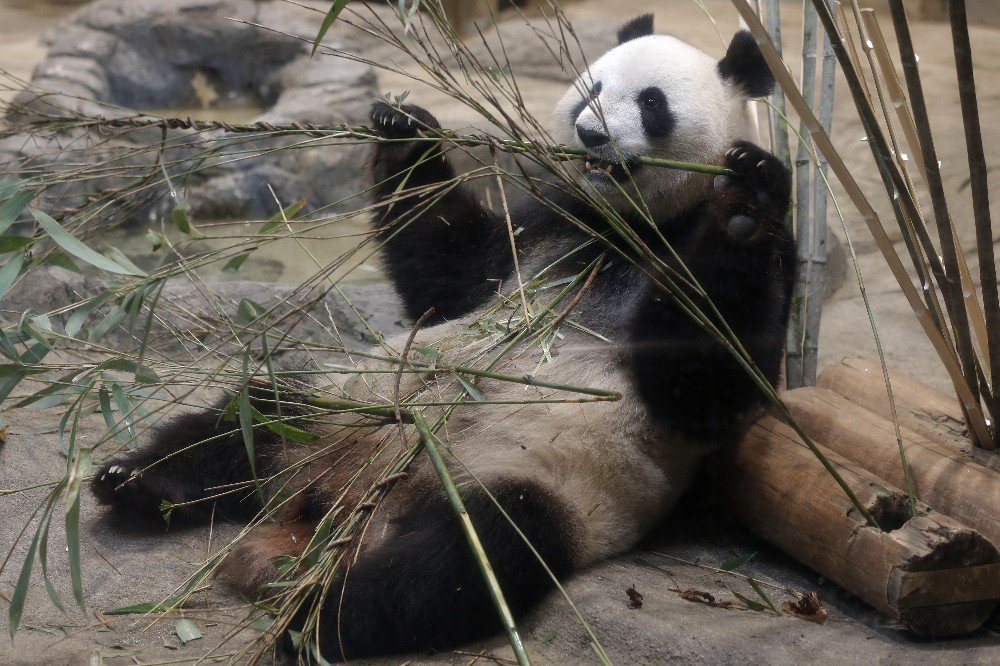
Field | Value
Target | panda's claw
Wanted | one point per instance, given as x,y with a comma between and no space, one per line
761,164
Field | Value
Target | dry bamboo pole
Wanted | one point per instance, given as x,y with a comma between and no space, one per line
818,256
919,408
980,198
931,572
779,131
944,478
822,141
804,289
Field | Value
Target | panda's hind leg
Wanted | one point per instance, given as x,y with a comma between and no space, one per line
197,463
423,589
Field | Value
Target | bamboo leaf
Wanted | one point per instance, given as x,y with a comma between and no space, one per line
284,429
125,408
331,16
278,219
471,389
736,562
248,311
187,631
180,219
75,247
76,320
750,603
80,469
14,243
11,209
236,262
21,588
9,272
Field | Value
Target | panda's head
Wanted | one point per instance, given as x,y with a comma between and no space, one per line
654,95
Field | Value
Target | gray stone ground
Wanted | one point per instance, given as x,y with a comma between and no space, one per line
123,566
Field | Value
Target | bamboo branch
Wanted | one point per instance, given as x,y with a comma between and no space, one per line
980,198
482,560
357,132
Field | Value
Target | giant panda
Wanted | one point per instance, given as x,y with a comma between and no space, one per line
581,481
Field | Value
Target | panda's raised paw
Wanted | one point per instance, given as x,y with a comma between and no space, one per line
758,171
401,122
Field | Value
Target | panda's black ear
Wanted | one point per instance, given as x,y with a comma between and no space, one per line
640,26
744,66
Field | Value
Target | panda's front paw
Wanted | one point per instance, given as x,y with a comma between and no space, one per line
402,122
758,194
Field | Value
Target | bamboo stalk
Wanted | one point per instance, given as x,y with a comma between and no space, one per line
779,131
804,286
948,281
343,131
868,214
506,617
818,252
980,197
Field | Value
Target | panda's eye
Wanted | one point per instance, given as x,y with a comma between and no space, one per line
650,102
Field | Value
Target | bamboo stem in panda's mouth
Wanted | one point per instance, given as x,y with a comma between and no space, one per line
359,132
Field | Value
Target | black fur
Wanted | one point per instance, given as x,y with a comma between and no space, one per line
657,119
452,259
744,258
175,468
744,66
424,590
640,26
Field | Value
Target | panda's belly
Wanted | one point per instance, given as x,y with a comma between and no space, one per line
606,462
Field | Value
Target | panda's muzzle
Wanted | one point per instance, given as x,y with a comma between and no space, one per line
600,168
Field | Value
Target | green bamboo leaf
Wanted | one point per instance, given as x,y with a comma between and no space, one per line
471,389
43,559
245,414
11,209
75,247
14,243
750,603
21,588
125,408
284,429
248,311
234,263
180,219
119,257
736,562
81,468
9,272
760,593
278,219
331,16
76,320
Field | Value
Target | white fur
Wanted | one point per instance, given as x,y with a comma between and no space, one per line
710,112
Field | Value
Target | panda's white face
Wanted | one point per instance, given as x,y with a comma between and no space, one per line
651,96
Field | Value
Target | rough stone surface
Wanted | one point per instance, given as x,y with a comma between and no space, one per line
162,54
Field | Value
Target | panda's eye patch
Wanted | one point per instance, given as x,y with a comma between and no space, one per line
583,103
657,119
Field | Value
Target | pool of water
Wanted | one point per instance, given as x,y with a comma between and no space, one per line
297,257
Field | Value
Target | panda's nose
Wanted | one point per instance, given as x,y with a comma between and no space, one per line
591,138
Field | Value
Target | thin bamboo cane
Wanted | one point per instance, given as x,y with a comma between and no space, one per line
818,254
932,170
871,218
506,617
779,130
980,196
804,283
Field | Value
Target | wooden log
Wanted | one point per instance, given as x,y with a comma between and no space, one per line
920,408
932,573
942,477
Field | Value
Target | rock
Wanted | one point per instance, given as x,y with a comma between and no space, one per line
162,54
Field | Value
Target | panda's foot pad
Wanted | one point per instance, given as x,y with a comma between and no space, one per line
757,194
401,122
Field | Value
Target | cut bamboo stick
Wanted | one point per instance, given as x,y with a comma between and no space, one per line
942,476
930,572
931,413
